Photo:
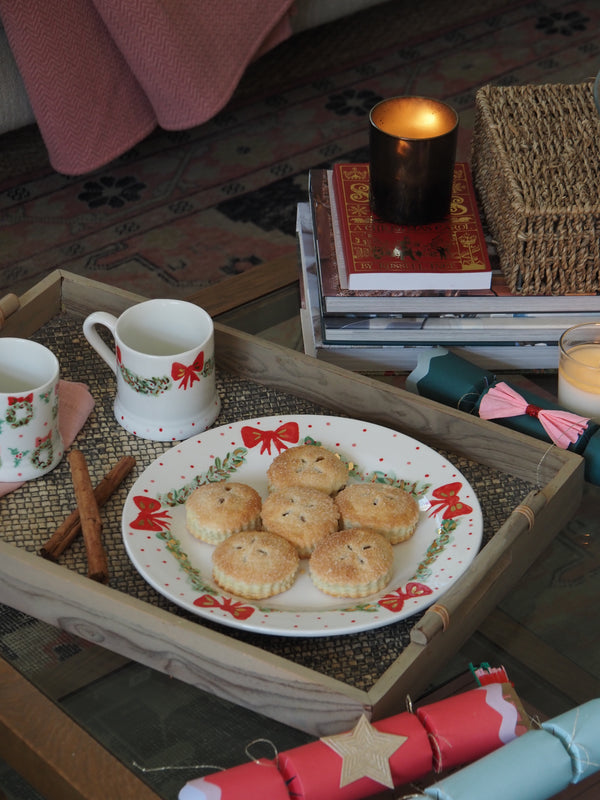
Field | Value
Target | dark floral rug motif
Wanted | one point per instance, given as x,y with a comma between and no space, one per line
111,191
186,209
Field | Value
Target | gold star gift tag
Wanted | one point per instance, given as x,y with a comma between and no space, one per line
365,753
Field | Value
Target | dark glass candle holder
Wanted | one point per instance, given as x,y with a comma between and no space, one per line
412,153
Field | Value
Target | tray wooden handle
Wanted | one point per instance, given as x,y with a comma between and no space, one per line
8,305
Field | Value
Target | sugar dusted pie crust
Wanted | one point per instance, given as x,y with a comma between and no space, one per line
308,465
387,509
352,563
216,510
255,564
300,514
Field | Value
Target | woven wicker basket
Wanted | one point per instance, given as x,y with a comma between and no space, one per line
536,168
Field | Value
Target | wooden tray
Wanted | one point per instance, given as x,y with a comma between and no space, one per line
549,482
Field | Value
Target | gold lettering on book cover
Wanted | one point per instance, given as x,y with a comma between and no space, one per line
375,245
359,192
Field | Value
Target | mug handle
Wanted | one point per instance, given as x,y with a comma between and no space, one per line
93,337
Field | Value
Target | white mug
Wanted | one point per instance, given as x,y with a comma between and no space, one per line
30,440
164,362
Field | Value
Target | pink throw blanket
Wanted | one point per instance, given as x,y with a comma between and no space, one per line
101,74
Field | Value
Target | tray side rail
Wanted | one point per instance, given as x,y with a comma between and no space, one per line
183,649
464,607
366,398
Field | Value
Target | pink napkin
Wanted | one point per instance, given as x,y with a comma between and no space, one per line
75,404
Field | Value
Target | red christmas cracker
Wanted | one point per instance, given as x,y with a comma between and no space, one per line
256,780
388,753
485,674
316,771
471,725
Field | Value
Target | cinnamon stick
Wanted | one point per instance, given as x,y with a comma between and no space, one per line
70,529
91,524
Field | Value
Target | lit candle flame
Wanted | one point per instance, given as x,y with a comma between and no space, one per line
414,118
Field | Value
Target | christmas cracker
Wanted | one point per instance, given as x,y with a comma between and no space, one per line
387,753
536,766
449,379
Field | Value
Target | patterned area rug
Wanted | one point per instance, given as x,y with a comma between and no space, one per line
184,210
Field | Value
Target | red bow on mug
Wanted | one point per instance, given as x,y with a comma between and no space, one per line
14,400
563,427
187,375
289,432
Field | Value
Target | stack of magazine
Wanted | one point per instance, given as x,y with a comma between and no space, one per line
386,330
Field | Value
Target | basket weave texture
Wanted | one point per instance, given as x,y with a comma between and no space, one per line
536,169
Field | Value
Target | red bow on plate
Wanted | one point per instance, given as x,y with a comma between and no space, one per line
563,427
151,516
394,601
445,499
233,607
289,432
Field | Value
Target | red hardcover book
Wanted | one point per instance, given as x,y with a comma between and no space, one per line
376,255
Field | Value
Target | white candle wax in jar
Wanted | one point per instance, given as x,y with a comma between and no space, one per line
579,380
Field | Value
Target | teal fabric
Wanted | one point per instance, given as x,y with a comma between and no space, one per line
449,379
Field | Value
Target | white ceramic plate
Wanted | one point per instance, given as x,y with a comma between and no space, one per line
178,566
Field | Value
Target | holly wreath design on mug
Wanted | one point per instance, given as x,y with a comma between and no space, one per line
42,456
164,361
20,412
187,375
